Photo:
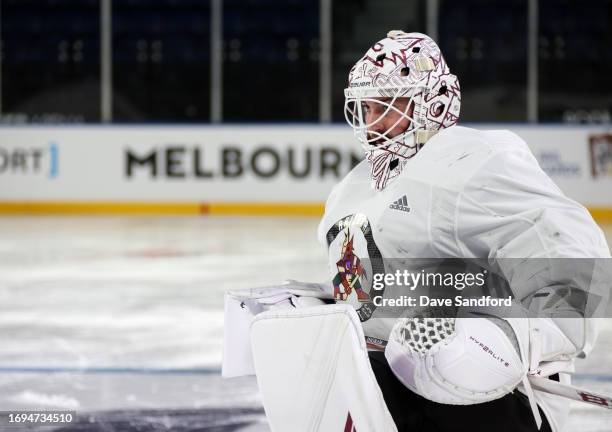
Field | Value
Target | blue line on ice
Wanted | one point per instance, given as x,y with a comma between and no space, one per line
111,370
196,371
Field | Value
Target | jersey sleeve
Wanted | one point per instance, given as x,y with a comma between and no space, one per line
546,245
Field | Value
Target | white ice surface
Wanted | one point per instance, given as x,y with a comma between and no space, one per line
119,313
136,292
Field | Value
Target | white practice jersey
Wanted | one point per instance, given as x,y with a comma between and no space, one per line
465,194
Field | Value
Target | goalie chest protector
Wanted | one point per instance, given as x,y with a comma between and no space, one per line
458,197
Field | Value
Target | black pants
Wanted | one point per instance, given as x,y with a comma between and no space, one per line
412,412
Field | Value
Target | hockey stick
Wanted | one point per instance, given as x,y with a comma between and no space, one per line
570,392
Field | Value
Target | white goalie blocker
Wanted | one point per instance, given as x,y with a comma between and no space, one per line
311,362
241,306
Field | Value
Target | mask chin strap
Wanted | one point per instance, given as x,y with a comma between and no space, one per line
422,136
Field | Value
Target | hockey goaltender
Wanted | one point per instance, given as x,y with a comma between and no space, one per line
325,357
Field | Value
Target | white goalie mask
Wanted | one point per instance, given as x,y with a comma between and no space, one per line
405,80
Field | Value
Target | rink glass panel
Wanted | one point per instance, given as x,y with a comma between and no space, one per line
575,61
485,45
161,61
271,60
50,61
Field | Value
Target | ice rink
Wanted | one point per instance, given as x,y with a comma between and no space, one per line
121,319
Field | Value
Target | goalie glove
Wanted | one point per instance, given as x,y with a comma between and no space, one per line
455,361
461,361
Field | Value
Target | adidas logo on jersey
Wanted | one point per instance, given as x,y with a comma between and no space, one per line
401,204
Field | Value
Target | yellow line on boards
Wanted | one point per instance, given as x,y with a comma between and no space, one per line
99,208
140,208
600,214
267,209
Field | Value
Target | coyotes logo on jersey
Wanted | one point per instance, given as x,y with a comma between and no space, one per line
350,270
350,239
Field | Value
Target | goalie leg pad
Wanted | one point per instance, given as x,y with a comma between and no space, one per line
313,371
